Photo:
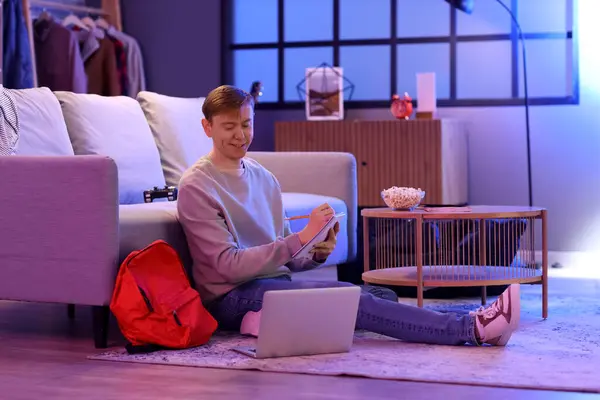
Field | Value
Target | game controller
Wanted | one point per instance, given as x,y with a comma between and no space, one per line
169,192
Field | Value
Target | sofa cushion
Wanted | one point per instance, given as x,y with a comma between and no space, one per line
303,203
176,124
115,127
142,224
42,131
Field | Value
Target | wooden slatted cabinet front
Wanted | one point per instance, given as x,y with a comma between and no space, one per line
430,154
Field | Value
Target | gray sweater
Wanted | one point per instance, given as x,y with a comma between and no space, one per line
235,227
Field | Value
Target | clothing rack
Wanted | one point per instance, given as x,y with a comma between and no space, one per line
66,7
109,10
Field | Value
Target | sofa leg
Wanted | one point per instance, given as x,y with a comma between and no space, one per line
100,325
71,311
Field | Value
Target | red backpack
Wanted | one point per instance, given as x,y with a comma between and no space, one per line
155,304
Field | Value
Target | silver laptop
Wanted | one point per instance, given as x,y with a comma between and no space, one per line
304,322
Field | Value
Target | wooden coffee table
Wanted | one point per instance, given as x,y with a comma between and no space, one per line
456,246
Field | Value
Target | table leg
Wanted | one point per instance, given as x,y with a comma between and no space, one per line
419,251
366,245
544,264
483,256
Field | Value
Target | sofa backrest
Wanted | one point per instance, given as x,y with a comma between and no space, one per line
115,127
42,128
153,139
176,124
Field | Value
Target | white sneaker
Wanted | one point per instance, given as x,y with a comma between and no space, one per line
496,323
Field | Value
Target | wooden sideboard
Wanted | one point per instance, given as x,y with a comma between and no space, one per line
430,154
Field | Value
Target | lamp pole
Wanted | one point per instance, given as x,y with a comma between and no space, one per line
467,7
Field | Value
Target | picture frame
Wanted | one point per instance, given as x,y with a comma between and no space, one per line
324,87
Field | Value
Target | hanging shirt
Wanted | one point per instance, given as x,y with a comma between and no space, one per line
58,59
88,43
101,70
136,79
121,57
16,55
9,124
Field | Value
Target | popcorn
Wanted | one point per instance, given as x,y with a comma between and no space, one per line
402,197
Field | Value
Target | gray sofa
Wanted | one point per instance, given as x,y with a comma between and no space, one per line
72,206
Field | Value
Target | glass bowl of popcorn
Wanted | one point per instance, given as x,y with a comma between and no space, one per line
402,198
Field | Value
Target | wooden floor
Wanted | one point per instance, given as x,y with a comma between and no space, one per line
43,355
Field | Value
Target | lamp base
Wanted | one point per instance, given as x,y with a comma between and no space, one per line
425,115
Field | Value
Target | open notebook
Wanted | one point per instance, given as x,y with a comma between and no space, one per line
304,251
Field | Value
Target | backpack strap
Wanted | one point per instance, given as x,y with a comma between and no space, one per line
142,348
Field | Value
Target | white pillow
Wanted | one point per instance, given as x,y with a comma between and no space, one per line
115,127
42,127
176,124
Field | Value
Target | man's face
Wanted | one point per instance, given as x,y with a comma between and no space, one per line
232,132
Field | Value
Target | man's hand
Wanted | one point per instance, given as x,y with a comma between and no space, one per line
318,219
324,249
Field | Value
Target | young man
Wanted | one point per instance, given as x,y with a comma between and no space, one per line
231,211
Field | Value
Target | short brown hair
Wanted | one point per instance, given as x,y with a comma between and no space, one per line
225,98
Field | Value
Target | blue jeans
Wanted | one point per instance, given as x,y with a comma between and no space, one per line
375,314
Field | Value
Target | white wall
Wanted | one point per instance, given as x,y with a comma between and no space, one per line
565,144
181,44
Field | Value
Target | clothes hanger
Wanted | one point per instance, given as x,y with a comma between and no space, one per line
102,23
44,16
73,19
89,22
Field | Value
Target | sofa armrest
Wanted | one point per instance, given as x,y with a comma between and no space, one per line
323,173
58,228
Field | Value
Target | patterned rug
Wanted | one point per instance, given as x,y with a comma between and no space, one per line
561,353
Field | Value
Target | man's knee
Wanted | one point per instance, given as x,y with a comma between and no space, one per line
381,292
319,284
343,284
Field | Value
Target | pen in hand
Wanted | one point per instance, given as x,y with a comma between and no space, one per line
297,217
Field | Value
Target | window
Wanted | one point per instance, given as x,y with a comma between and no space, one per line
381,47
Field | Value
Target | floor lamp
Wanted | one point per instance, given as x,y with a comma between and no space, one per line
467,7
